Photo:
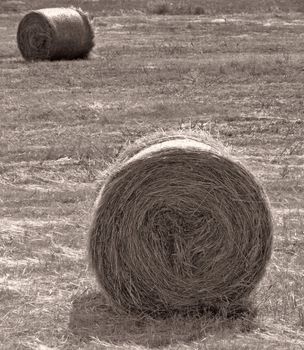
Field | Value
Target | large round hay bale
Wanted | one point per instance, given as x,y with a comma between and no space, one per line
179,226
55,33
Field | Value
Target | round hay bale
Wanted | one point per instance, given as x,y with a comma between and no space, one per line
55,33
179,226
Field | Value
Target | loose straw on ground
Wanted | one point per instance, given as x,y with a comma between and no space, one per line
55,33
179,226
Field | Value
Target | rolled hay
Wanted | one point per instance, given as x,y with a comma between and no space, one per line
55,33
179,226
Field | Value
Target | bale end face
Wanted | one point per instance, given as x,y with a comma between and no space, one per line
179,226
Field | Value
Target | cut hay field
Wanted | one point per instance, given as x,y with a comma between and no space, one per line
238,76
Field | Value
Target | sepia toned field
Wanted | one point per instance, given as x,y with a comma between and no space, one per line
239,76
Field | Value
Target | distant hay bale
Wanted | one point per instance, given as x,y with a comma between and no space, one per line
179,226
55,33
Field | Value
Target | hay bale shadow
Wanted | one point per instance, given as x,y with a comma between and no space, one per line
93,317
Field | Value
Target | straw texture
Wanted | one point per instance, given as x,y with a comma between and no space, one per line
55,33
179,226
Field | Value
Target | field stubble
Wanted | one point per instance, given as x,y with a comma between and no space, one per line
239,77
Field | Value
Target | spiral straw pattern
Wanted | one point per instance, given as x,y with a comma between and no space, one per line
179,226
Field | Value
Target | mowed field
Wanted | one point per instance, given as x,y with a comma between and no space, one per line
238,76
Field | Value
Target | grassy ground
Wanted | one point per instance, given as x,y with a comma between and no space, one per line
210,7
61,123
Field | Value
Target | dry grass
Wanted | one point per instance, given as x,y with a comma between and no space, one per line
196,7
63,122
176,7
164,7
